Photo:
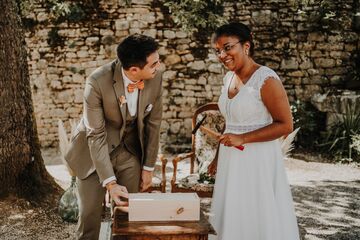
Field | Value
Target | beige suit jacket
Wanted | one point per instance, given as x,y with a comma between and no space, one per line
101,129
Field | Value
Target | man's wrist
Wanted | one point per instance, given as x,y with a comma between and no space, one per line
110,185
149,169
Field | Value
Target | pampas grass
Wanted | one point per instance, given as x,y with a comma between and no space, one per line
287,143
64,142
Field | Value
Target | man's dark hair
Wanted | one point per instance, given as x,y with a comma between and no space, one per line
133,50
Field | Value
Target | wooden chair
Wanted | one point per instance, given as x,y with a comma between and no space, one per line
159,184
203,151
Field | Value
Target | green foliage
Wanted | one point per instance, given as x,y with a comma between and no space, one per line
68,204
353,76
196,15
25,6
326,17
54,39
127,3
310,120
340,137
356,143
66,10
206,178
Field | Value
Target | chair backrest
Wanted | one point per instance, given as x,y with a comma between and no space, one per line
203,145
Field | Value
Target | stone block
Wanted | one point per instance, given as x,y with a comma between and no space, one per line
183,114
42,64
66,79
35,55
108,40
164,126
189,57
79,96
58,114
324,62
169,75
172,59
335,39
106,32
55,84
65,96
317,53
291,63
150,33
142,2
137,24
78,78
71,55
181,34
82,54
215,68
169,115
307,64
316,37
263,17
169,34
91,41
296,74
135,31
149,17
197,65
122,25
177,85
72,110
202,80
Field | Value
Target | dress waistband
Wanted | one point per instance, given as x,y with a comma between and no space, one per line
244,128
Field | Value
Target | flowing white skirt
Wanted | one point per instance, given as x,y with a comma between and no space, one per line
252,198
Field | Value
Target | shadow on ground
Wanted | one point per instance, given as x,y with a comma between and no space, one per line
328,209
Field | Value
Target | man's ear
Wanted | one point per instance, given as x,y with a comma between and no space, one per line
134,70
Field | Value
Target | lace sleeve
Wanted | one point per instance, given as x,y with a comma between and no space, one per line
265,74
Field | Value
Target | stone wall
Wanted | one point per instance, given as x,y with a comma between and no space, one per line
308,60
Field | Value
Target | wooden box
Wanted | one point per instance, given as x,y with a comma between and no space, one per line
164,207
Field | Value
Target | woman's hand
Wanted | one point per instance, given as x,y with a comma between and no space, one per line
231,140
212,168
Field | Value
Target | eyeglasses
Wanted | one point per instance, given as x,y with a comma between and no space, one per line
227,48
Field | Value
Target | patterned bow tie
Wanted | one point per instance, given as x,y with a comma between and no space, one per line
139,85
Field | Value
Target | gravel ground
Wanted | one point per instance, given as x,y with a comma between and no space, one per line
326,198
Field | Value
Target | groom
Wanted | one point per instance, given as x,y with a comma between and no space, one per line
116,143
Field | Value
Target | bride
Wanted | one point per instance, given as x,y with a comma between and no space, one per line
252,198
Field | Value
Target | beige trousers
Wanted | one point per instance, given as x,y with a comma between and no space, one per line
91,193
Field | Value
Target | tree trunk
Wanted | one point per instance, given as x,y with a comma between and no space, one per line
22,170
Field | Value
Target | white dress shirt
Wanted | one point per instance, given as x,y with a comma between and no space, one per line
131,98
131,101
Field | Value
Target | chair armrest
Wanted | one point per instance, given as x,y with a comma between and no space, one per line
177,159
163,171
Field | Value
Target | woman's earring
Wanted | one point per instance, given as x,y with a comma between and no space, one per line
247,51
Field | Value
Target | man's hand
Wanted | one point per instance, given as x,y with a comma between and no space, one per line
117,192
146,180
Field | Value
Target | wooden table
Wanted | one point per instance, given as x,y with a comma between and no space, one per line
122,229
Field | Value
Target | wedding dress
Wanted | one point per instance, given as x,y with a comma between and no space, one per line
252,198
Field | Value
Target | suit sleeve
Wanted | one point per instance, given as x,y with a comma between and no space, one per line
152,131
95,128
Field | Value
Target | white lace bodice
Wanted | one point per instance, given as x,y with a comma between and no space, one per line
246,111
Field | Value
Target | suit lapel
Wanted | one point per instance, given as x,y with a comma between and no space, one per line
140,111
140,105
119,89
